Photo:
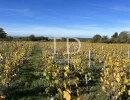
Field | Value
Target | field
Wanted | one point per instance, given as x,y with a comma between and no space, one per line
34,71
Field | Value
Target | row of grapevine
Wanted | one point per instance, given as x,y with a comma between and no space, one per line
12,56
68,80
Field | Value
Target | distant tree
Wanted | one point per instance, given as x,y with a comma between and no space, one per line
114,38
9,38
41,38
105,39
63,39
44,38
123,37
31,37
115,35
3,34
128,36
96,38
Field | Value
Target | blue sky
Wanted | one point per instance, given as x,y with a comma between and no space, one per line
70,18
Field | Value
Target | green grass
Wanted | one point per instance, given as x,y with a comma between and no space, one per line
28,86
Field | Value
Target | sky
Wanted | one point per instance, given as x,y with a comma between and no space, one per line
64,18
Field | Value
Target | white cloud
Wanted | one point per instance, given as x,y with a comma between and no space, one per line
48,31
67,31
15,10
23,12
121,9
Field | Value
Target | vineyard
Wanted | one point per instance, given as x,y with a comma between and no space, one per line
33,71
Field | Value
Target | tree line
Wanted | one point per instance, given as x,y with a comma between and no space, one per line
4,36
123,37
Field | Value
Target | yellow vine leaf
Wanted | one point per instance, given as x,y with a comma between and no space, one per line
67,95
60,91
103,88
65,74
1,57
123,89
67,68
64,85
118,79
129,92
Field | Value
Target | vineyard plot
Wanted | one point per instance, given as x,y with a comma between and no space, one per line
32,71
